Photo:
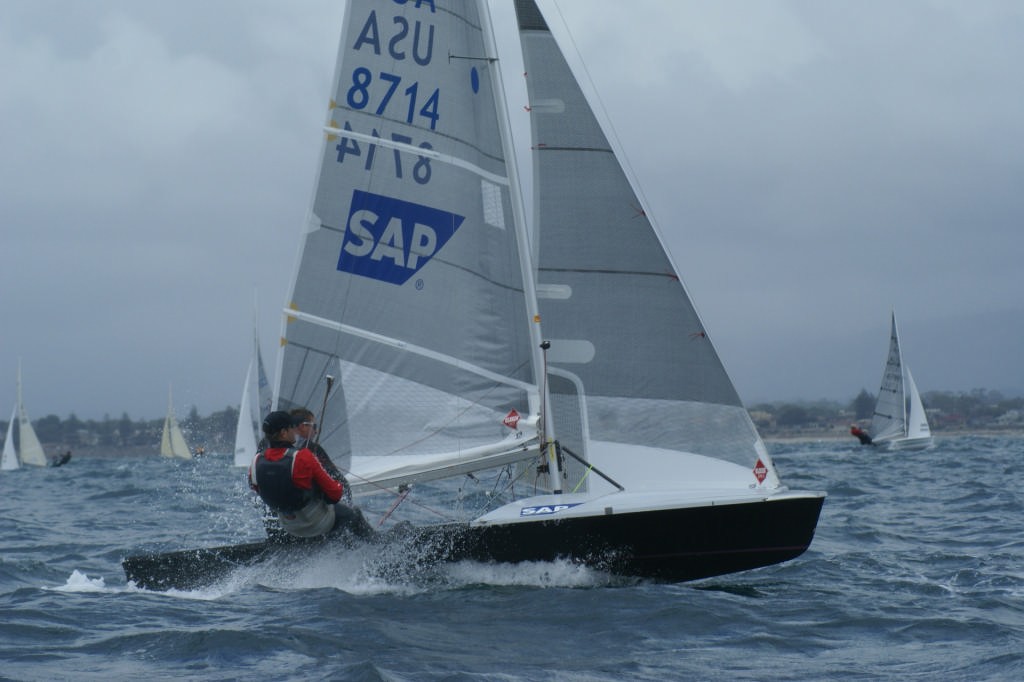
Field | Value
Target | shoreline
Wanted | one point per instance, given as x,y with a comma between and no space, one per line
844,435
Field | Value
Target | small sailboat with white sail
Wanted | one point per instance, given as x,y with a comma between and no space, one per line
254,406
21,445
899,421
550,352
245,430
172,441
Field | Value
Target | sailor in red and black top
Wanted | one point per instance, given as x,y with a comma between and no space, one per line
861,434
294,484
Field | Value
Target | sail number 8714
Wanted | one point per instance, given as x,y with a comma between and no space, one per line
360,96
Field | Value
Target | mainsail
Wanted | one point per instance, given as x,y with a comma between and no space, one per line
890,418
410,283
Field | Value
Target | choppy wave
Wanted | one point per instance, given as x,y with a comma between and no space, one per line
916,572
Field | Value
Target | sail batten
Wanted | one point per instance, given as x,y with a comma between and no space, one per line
425,153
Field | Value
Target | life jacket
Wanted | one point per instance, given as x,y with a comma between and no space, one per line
301,512
275,483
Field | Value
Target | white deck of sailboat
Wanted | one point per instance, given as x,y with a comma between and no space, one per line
653,487
580,505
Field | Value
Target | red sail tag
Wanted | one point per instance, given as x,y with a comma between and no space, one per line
511,419
760,471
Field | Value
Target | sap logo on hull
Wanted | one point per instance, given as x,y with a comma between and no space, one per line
546,509
390,240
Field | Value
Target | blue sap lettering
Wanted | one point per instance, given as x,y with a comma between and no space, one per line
539,511
370,34
424,243
390,240
390,244
359,239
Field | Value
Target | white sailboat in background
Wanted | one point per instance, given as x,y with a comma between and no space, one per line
253,408
899,421
245,431
172,442
25,448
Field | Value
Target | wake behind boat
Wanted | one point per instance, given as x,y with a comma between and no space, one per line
554,354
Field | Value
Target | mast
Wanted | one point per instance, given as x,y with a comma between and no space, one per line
539,404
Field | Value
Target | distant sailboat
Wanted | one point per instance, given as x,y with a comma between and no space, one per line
899,421
24,447
173,444
246,437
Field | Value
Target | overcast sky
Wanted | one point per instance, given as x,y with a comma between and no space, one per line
811,165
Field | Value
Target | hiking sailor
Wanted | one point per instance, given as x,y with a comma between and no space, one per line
293,483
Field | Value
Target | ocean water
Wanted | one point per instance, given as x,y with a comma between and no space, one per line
916,573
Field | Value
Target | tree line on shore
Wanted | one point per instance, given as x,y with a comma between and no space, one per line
979,408
947,410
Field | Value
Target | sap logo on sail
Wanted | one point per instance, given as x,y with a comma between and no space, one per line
546,509
390,240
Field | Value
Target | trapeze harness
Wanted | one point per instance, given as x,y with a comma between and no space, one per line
304,513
